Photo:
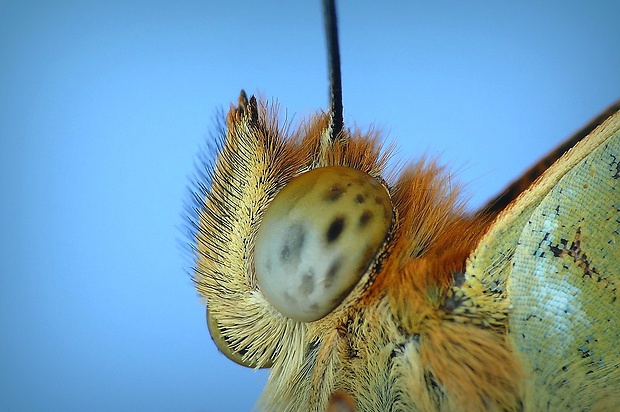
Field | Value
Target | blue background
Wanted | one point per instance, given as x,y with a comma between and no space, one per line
105,104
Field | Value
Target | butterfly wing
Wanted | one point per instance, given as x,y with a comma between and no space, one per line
513,190
554,253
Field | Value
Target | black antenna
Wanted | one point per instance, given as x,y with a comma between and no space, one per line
333,64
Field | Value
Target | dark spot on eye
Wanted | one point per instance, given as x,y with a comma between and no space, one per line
307,283
293,244
332,272
285,253
289,298
334,193
314,307
365,218
378,200
335,229
359,198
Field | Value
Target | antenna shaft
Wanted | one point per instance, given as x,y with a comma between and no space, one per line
333,64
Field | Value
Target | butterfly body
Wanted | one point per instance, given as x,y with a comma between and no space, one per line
457,311
367,288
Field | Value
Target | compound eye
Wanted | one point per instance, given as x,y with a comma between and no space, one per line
318,237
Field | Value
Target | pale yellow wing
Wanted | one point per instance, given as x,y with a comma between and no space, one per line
554,254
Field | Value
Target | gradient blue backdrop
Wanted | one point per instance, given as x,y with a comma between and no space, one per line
104,105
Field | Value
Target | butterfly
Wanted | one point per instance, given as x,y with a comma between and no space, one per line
368,289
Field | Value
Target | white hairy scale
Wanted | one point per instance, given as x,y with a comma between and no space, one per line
317,239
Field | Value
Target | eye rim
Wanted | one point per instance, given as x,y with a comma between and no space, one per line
351,296
224,347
